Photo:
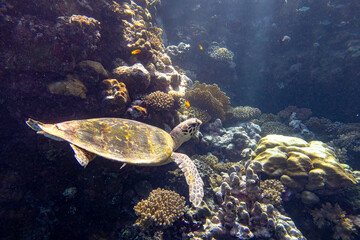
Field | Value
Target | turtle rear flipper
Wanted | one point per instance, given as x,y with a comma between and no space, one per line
192,176
82,156
35,125
38,127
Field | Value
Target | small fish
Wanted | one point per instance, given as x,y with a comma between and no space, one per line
286,38
316,44
286,1
135,51
187,103
201,47
303,9
325,22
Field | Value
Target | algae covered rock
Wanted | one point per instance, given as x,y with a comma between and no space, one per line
301,165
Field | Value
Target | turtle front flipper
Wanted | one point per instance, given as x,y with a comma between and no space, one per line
82,156
192,176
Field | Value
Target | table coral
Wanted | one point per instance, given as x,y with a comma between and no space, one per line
161,208
300,164
209,98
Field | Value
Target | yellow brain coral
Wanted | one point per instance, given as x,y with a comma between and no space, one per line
161,208
209,98
300,164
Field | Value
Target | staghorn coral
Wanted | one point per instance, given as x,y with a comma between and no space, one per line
161,208
333,215
300,164
209,98
159,101
271,190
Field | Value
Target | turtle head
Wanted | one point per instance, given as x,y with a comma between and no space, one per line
184,131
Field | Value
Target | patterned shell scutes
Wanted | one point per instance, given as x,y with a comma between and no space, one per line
120,139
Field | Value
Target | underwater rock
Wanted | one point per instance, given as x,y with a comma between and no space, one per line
91,71
71,87
230,143
300,164
309,198
177,51
135,77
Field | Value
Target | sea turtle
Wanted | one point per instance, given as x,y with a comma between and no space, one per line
128,141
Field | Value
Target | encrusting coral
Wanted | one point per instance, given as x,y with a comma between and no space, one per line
161,208
333,215
243,113
159,101
209,98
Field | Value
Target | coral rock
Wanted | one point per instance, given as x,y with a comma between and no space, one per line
72,87
136,77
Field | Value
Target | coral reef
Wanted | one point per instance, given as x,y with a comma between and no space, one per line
218,53
243,215
209,98
301,165
159,101
242,114
232,143
328,214
301,113
161,208
177,51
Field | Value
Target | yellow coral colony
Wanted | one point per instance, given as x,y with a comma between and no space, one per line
301,165
161,208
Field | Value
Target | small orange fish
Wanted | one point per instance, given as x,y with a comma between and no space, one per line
135,51
187,103
201,47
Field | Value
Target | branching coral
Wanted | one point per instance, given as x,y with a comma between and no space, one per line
243,113
209,98
271,190
330,215
161,208
159,101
